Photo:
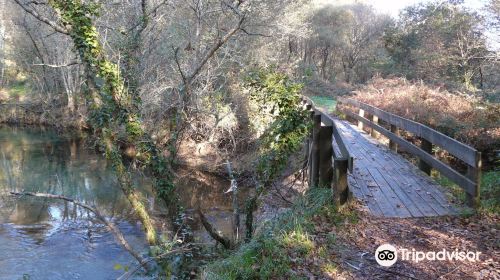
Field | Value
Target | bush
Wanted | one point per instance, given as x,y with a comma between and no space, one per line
465,117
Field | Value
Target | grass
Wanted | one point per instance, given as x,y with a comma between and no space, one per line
283,243
326,102
16,90
489,193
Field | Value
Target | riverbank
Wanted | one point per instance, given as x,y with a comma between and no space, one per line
313,240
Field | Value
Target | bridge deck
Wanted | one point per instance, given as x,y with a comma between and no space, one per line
388,184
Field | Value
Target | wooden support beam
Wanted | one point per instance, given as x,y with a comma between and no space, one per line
325,156
308,144
340,187
393,145
474,174
422,165
361,114
374,133
314,164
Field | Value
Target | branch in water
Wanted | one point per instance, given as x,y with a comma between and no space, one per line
213,232
112,227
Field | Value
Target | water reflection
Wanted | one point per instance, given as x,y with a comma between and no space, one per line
51,239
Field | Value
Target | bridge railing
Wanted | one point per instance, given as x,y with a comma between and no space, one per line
429,137
327,155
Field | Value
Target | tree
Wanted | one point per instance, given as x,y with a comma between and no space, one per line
437,41
346,40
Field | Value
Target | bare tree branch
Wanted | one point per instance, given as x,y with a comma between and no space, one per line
213,232
116,232
43,19
57,66
210,52
176,58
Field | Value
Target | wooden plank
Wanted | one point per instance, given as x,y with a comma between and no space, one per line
393,146
474,174
314,164
394,178
468,185
413,199
344,152
373,132
399,205
325,156
422,165
454,147
361,114
434,190
368,198
407,170
328,120
425,191
340,183
404,197
386,207
402,172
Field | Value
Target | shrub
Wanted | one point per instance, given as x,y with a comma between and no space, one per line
465,117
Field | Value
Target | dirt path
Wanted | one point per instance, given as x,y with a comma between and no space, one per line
352,252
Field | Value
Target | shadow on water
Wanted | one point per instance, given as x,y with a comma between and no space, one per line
50,239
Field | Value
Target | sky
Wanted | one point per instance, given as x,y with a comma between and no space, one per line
393,7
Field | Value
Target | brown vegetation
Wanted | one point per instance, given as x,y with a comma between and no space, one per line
465,117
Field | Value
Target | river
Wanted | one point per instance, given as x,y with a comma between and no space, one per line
51,239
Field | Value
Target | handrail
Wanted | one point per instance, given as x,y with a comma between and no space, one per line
469,182
327,152
330,121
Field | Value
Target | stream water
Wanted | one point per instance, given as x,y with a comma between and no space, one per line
51,239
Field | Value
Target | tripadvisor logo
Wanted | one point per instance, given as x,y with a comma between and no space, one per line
387,255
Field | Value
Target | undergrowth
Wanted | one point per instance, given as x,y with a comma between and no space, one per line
489,191
466,117
279,243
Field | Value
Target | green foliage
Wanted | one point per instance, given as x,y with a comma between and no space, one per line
490,190
436,41
267,255
277,95
17,89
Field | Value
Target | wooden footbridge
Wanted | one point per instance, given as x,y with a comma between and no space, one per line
342,155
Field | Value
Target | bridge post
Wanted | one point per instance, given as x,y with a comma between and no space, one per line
325,156
340,187
360,123
314,163
422,165
307,147
374,133
474,174
392,145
